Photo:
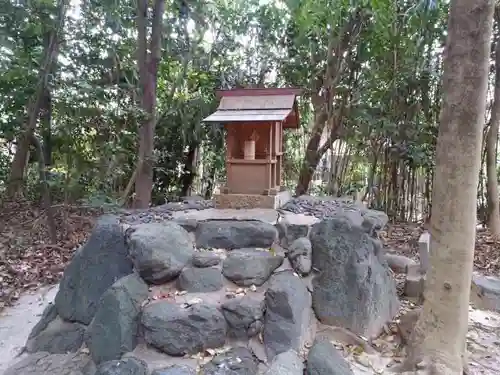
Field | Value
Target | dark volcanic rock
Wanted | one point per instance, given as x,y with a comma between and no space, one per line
327,207
289,232
94,268
114,329
288,314
202,259
235,234
125,366
354,288
286,363
200,280
236,361
48,315
58,337
178,331
250,266
324,359
244,316
175,370
299,254
159,250
53,364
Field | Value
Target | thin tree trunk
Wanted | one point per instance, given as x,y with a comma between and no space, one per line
148,70
491,150
438,340
20,160
189,169
45,189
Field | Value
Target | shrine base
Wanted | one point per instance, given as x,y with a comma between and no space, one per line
245,201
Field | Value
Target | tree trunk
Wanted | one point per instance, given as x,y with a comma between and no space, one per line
148,63
189,172
438,340
491,151
49,58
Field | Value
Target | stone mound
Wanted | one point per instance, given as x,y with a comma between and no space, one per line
215,297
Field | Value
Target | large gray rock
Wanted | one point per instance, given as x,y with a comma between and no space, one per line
287,318
244,316
94,268
299,253
287,363
235,234
324,359
159,250
236,361
245,267
114,329
354,288
43,363
175,370
125,366
58,337
200,280
178,331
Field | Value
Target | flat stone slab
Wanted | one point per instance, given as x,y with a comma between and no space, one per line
263,214
485,292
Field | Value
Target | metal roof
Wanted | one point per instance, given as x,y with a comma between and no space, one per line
248,115
259,104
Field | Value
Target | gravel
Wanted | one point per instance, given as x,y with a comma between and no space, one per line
320,207
163,212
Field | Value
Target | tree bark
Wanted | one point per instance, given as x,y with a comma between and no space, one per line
189,172
148,63
491,149
438,340
20,160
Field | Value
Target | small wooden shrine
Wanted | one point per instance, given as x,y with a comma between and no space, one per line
254,120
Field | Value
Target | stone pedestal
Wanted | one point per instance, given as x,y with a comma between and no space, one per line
245,201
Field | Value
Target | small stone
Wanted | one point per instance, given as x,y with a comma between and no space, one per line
200,280
236,361
399,263
286,363
414,282
126,366
204,259
244,316
159,250
202,327
253,288
175,370
299,255
245,267
323,358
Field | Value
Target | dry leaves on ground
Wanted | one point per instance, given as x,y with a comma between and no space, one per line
402,238
27,258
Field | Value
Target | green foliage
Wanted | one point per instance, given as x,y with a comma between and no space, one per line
390,79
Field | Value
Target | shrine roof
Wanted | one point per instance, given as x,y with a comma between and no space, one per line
257,105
